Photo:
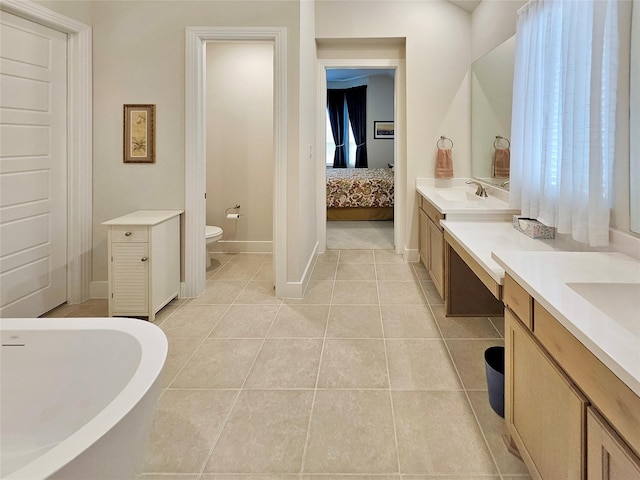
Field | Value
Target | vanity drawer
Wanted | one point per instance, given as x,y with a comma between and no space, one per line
129,233
617,402
518,300
431,211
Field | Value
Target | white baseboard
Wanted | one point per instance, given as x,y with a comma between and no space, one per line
306,276
99,289
297,289
236,246
411,255
291,290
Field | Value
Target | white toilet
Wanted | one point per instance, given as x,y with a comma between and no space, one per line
213,235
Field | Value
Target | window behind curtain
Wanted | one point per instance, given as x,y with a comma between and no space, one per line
564,109
331,146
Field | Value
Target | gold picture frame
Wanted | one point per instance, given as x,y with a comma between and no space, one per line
139,133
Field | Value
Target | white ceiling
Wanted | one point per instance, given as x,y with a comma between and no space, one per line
468,5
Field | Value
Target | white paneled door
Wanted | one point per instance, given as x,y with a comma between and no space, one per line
33,163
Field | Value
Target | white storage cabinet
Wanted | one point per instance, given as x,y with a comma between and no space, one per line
144,262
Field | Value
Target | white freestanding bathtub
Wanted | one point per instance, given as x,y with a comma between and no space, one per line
77,396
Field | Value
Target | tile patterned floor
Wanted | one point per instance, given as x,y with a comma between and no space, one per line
362,378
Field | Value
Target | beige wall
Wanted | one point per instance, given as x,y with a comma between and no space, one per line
437,52
139,57
302,236
240,160
379,107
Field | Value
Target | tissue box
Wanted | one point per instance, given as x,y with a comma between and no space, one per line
533,228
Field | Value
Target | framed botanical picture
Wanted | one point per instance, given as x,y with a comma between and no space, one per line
139,134
384,130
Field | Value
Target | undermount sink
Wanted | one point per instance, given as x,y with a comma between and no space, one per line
619,301
456,198
458,195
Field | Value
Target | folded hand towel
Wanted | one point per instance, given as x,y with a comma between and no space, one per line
502,164
444,163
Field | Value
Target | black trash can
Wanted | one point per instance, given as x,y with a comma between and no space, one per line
494,366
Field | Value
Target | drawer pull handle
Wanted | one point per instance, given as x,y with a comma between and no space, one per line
127,234
144,259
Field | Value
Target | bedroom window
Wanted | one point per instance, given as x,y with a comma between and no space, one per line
331,146
347,122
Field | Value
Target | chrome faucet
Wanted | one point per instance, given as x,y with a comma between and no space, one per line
505,184
480,191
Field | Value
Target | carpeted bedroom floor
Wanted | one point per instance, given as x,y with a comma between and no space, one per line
348,235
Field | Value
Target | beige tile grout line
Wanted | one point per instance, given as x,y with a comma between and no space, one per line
464,388
500,473
210,331
386,359
235,400
197,347
315,389
168,387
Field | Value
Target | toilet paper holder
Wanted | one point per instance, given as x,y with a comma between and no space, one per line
233,216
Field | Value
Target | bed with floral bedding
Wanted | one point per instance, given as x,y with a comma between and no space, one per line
359,193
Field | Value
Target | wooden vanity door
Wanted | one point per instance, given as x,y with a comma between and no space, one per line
545,413
435,247
424,238
608,457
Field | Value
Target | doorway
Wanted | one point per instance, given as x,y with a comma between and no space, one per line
393,67
368,190
195,152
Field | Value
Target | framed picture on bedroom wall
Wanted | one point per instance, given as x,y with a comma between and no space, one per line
139,134
383,130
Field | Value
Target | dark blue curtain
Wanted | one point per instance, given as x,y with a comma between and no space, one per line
335,106
357,106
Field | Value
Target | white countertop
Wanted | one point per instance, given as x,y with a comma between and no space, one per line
481,238
439,194
144,217
545,274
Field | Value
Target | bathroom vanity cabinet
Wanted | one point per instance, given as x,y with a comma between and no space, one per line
569,415
144,262
431,249
457,202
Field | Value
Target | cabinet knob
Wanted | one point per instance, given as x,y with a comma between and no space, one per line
127,234
144,259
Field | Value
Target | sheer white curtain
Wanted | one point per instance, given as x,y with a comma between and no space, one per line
563,122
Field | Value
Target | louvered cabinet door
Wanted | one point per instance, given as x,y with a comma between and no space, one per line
130,282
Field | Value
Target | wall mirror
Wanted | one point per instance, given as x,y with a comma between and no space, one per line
634,121
491,94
